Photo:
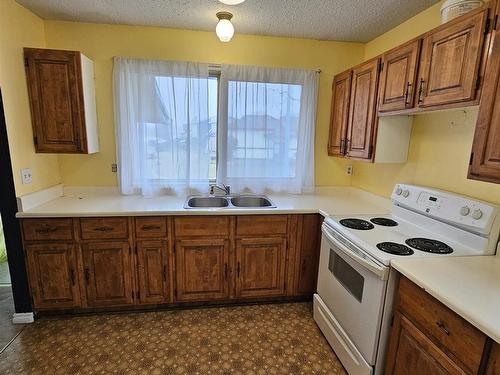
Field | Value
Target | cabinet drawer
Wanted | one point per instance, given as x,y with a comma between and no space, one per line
104,228
151,227
202,226
462,342
261,225
48,229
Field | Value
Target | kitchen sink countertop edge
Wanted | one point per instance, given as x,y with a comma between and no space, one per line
470,286
87,202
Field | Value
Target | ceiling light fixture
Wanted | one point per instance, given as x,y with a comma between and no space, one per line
224,29
231,2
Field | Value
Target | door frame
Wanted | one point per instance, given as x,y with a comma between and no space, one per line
12,230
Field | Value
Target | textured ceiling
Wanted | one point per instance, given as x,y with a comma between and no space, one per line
343,20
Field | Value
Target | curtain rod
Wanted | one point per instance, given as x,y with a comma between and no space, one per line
217,66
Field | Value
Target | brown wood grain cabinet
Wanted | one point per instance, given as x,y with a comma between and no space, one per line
485,157
53,275
493,366
429,338
202,267
399,76
153,271
362,110
118,262
260,266
108,273
62,100
341,92
450,62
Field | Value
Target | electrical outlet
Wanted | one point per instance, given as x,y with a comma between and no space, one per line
114,168
26,176
348,170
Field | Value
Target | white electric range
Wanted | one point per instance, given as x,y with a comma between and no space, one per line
356,286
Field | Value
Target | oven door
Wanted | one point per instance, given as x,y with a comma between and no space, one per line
352,285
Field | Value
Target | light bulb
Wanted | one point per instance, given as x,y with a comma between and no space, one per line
224,28
231,2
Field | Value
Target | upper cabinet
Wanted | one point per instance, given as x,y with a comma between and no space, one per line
341,91
451,56
362,110
62,100
398,78
485,157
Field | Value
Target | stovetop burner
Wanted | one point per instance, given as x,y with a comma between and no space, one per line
386,222
429,245
356,224
395,248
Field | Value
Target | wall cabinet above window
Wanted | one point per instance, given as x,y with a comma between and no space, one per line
62,100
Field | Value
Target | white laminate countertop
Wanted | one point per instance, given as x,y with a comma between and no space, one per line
87,202
470,286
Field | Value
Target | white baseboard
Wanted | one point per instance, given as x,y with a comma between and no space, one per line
23,318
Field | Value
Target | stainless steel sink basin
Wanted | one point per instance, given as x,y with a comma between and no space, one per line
251,201
195,202
230,202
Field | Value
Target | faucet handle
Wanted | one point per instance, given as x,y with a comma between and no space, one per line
227,188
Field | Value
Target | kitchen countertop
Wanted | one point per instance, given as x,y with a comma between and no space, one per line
470,286
78,202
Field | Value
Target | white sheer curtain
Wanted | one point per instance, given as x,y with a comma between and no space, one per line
162,126
267,119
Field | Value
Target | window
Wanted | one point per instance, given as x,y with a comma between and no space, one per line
180,127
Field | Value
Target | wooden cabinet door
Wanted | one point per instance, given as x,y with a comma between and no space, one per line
201,267
56,99
493,366
53,275
362,110
485,158
341,91
152,262
260,269
108,273
308,256
451,57
398,78
410,352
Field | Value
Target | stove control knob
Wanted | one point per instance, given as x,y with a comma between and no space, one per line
477,214
464,211
399,191
406,193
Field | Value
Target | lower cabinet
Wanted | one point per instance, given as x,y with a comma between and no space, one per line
52,274
152,272
201,267
413,353
260,268
108,273
493,366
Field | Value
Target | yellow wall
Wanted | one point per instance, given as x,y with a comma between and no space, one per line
440,142
20,28
102,42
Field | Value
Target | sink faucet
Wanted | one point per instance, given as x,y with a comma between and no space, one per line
225,188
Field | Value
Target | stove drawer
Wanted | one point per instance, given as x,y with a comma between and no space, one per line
461,341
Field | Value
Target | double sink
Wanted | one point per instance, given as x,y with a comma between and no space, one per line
239,201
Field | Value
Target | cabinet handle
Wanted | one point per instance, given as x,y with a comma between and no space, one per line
150,227
347,143
238,269
225,271
72,276
421,91
441,325
342,143
407,93
103,229
46,230
164,273
87,275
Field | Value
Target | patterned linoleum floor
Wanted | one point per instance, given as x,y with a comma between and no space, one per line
258,339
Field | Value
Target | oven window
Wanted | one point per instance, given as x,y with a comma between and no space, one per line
346,275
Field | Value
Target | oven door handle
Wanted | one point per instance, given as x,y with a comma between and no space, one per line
379,270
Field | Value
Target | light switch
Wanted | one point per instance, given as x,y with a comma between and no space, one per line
26,176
